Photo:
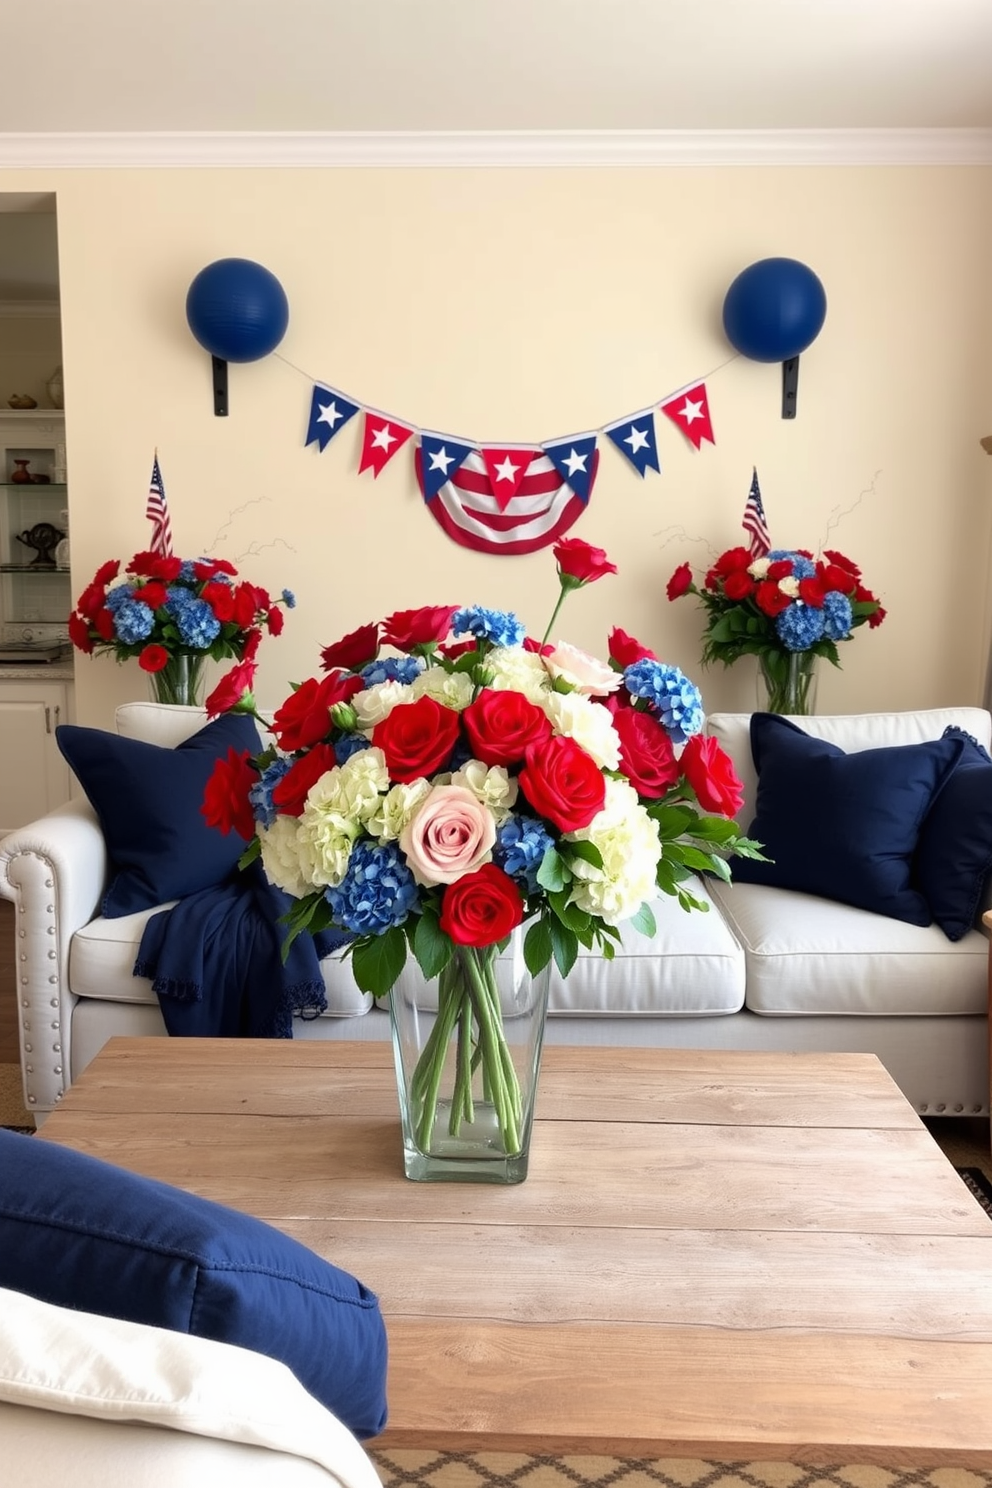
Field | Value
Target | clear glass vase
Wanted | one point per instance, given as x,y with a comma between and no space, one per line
787,682
181,681
467,1047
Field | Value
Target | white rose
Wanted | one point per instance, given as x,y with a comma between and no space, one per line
759,568
588,723
628,844
376,703
587,674
281,856
450,689
515,670
789,585
489,784
397,808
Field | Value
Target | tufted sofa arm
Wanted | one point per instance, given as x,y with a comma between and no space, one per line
55,871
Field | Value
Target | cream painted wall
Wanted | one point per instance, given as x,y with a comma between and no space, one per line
514,305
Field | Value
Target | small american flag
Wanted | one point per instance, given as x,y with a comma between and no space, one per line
158,514
754,521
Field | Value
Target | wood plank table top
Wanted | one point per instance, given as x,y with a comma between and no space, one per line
715,1254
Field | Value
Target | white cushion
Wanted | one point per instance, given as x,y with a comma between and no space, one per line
55,1359
807,955
849,731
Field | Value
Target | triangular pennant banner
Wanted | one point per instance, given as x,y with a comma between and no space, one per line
329,412
541,512
382,438
506,469
691,412
634,437
575,460
442,458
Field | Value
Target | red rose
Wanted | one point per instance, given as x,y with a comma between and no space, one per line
275,619
780,569
770,599
352,651
710,772
252,641
248,600
153,658
733,558
680,581
481,907
103,624
624,650
416,738
739,585
155,566
425,627
152,594
501,726
563,783
79,633
231,688
225,799
579,561
646,754
305,716
290,793
91,600
812,592
220,598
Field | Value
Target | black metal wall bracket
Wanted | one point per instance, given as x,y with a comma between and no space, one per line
790,387
220,386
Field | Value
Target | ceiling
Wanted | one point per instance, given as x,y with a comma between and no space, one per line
466,65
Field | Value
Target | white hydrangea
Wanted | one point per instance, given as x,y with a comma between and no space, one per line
281,856
588,723
489,784
356,787
376,703
628,844
397,808
450,689
515,670
325,838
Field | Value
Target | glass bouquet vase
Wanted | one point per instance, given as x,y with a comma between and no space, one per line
180,681
787,682
467,1046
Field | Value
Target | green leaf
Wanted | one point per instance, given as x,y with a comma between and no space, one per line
538,946
251,852
431,946
587,851
378,961
714,829
565,945
671,821
644,921
553,873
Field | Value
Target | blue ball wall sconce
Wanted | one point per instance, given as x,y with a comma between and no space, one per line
774,309
238,311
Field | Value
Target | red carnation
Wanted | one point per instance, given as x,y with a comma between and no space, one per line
680,582
290,793
835,577
152,594
220,598
770,599
153,658
225,799
103,624
646,754
501,725
416,738
248,600
92,599
481,908
832,556
352,651
563,783
107,571
407,629
155,566
206,568
875,620
580,562
79,633
624,650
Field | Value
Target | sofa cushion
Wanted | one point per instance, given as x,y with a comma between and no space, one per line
842,826
78,1232
148,799
954,852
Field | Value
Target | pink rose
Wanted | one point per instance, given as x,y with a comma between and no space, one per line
584,673
452,834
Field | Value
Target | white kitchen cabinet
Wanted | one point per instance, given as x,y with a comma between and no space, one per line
34,778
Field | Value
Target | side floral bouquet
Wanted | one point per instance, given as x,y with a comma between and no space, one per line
433,801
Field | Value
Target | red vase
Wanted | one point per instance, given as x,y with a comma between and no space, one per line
21,475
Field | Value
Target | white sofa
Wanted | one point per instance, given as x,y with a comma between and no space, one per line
765,969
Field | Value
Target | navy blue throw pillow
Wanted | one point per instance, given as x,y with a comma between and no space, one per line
78,1232
843,826
954,854
147,799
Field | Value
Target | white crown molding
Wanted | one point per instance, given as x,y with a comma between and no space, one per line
28,309
520,148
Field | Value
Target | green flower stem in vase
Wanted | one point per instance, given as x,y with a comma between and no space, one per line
467,1047
787,682
180,681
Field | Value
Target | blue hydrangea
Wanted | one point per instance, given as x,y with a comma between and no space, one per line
177,598
260,794
838,616
289,599
377,892
186,573
349,744
676,700
197,623
521,843
391,669
799,627
499,627
133,622
117,596
802,568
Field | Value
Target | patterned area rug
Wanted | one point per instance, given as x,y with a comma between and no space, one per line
12,1111
412,1469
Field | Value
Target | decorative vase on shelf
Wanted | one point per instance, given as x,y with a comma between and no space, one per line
787,682
54,388
21,475
467,1047
179,682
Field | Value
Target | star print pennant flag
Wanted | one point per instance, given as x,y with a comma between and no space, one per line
690,411
634,437
383,436
442,458
575,460
541,512
505,467
329,412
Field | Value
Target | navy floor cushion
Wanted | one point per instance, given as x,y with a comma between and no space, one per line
81,1233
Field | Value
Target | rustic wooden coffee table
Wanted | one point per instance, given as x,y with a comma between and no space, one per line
722,1255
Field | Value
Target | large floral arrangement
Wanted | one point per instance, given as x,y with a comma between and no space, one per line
432,801
777,607
171,614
